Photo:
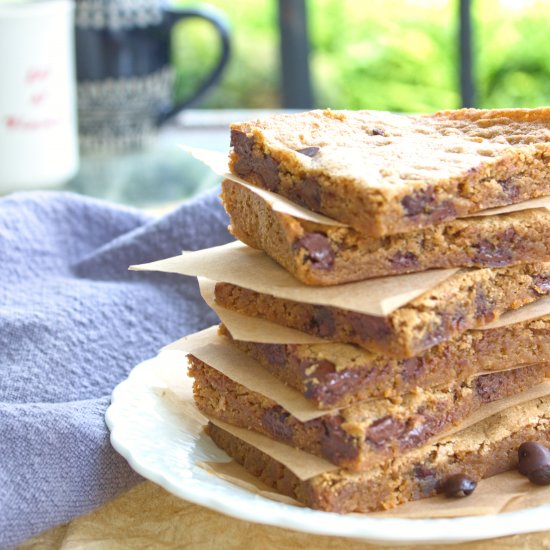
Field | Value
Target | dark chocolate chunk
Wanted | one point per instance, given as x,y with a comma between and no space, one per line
541,476
336,443
427,480
459,485
307,193
418,201
262,166
509,189
487,386
323,323
383,430
496,254
326,385
424,201
412,368
378,132
318,250
532,456
483,307
308,151
275,422
369,327
404,260
542,284
275,354
320,369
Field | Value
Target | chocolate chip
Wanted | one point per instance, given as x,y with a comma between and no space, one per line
416,202
510,190
541,476
412,368
323,323
318,250
532,456
488,386
308,151
404,261
542,284
459,485
378,132
495,254
336,444
319,369
383,430
427,480
307,193
275,422
326,385
275,354
483,307
425,202
369,327
263,166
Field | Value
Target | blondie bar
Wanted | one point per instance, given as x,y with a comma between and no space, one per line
468,299
385,173
482,450
335,375
364,434
327,255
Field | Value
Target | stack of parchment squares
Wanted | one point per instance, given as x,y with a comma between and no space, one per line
399,344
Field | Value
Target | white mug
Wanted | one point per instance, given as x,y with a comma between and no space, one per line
38,126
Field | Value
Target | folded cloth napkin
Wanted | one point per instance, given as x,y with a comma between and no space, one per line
73,323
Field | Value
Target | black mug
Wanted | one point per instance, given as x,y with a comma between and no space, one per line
125,80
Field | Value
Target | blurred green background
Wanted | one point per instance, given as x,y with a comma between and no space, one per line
389,54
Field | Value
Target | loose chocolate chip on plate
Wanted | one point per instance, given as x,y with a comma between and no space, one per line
532,456
541,476
459,485
309,151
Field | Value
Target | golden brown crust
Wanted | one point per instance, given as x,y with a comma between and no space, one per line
386,173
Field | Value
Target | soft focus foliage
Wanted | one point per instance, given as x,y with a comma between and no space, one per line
392,54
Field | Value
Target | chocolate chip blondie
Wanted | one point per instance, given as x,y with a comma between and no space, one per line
482,450
336,375
364,434
319,254
468,299
385,173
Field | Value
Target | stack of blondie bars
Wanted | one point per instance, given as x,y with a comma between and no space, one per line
405,395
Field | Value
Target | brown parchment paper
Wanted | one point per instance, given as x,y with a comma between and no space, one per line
218,163
253,330
218,352
247,267
258,330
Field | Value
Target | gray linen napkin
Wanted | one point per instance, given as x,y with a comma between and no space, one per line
73,323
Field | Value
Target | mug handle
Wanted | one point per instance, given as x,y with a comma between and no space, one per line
172,16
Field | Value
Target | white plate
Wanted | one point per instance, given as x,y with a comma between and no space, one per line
166,447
